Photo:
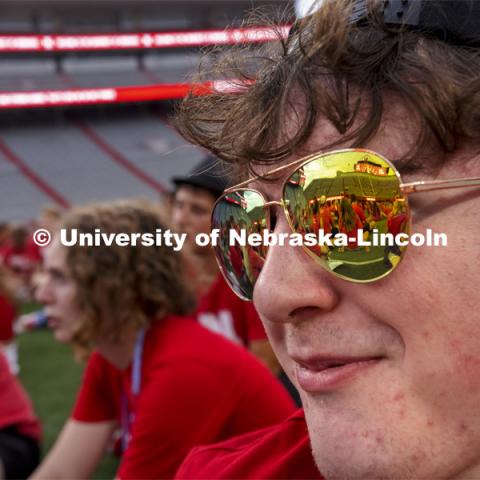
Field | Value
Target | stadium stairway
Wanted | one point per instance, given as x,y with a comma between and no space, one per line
75,162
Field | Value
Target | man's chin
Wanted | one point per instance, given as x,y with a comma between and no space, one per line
342,465
346,447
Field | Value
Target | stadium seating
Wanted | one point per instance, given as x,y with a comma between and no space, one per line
69,157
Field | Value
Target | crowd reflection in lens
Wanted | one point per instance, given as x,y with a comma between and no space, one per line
351,194
239,212
354,195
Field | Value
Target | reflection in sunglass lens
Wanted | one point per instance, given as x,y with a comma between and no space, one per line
350,194
347,200
240,213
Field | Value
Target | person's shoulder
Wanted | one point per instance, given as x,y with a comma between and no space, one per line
279,451
186,338
173,328
177,337
216,296
98,365
183,339
182,333
294,426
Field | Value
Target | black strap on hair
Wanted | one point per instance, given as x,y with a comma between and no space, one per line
453,21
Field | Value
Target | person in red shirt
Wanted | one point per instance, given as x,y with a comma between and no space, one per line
278,452
358,208
349,222
387,365
223,313
7,309
8,314
219,308
397,219
21,258
20,430
170,383
22,255
7,317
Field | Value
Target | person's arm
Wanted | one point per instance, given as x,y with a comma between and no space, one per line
76,452
85,435
30,321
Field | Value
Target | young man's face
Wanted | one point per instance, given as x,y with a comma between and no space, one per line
57,291
406,403
191,211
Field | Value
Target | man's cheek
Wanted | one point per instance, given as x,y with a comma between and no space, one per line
277,337
465,365
275,331
448,382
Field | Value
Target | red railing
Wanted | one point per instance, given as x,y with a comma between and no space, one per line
129,41
96,96
153,40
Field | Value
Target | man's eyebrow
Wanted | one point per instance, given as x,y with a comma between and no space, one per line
408,164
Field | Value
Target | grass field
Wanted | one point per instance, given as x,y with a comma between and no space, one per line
51,377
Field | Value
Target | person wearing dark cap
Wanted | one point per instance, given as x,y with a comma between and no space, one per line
208,175
194,197
219,309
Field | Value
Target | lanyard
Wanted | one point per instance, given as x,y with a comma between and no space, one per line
136,380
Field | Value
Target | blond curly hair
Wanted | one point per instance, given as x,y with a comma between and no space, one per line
120,288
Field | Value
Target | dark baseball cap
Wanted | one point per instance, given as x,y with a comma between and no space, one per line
209,174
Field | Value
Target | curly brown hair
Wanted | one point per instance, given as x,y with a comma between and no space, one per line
120,288
333,69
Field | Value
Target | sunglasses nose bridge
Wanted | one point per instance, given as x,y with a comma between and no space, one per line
274,202
268,211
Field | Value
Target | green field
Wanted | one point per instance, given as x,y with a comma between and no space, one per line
51,377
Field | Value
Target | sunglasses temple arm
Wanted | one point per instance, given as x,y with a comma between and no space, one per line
428,186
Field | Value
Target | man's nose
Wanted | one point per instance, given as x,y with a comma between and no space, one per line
292,286
181,217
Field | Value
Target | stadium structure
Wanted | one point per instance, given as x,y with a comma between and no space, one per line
86,88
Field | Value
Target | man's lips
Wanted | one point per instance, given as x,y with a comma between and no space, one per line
322,374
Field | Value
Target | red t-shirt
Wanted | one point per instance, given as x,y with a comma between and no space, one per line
22,259
359,211
196,388
221,311
236,258
396,224
7,317
15,407
325,219
278,452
